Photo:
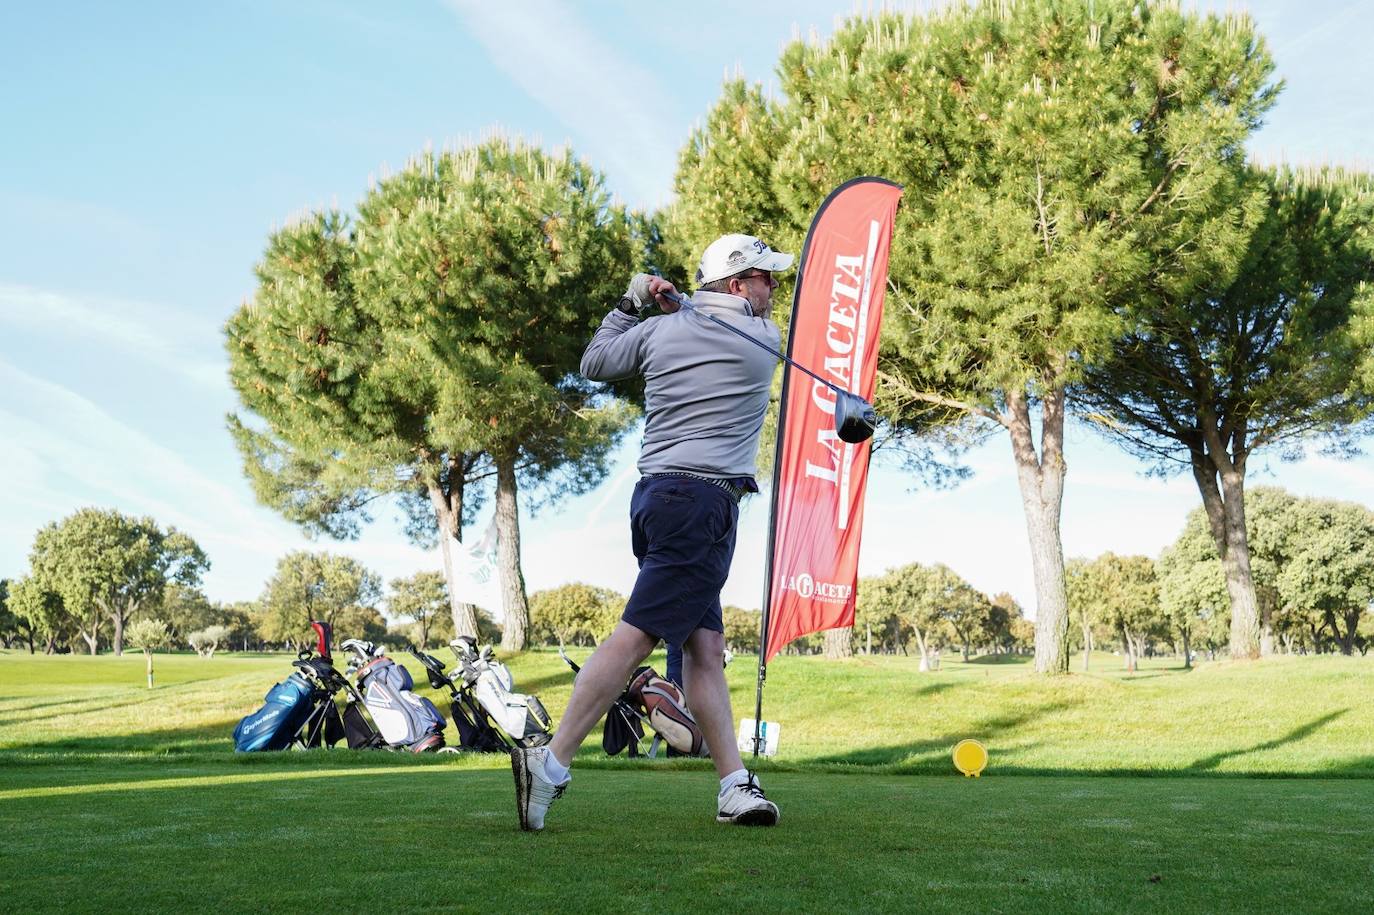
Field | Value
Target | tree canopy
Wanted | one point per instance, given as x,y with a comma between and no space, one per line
422,599
432,341
1272,347
307,586
1056,158
1311,560
575,614
99,564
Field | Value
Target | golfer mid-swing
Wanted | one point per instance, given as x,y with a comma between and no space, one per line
706,392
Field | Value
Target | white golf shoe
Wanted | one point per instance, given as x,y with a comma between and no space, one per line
745,805
534,791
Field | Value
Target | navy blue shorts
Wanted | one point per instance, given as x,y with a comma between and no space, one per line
682,531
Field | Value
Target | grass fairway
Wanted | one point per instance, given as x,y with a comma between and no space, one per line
114,797
441,836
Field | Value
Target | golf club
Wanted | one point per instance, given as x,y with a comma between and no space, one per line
855,419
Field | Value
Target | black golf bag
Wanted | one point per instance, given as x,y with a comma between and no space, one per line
475,730
406,721
624,727
301,711
648,699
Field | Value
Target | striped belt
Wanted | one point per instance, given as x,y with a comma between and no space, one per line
731,490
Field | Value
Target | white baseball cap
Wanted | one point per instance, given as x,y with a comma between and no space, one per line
731,254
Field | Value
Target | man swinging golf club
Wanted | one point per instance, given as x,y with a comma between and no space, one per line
706,392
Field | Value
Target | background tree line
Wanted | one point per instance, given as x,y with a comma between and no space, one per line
97,571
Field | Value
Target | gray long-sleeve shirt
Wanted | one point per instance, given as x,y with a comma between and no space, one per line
706,389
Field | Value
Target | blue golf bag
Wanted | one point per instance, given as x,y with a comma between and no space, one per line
405,720
300,711
287,707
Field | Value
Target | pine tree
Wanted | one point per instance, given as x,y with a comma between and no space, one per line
1055,156
1273,351
431,342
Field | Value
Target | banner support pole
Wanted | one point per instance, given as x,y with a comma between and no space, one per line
765,613
768,569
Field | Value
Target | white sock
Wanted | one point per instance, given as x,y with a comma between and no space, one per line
555,770
738,777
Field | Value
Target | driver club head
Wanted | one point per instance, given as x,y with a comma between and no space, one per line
854,418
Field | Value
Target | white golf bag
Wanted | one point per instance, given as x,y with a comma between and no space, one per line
519,716
405,720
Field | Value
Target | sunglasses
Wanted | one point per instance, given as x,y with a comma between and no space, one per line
759,274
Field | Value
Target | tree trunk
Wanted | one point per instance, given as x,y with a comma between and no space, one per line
1266,639
1129,649
1087,646
838,643
868,638
448,515
1225,505
514,604
92,640
149,655
117,621
1187,652
1347,639
1041,479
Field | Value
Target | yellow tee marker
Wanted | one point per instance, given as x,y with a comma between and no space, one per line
970,757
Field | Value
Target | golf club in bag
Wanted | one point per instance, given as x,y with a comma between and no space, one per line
407,721
522,718
301,711
855,419
475,730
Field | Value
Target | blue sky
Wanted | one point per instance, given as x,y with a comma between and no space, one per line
149,148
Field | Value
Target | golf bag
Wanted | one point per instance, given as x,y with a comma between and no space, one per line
407,721
624,727
475,729
522,718
286,708
652,700
665,708
301,711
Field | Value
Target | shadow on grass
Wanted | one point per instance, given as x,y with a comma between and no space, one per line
998,659
12,709
1298,733
195,738
908,754
1155,674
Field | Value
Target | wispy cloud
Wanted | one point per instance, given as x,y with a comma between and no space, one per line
61,451
164,337
60,437
596,90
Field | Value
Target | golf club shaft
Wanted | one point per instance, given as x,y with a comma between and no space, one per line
686,303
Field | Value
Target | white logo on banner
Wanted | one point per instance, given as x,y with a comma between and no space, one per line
846,335
806,587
